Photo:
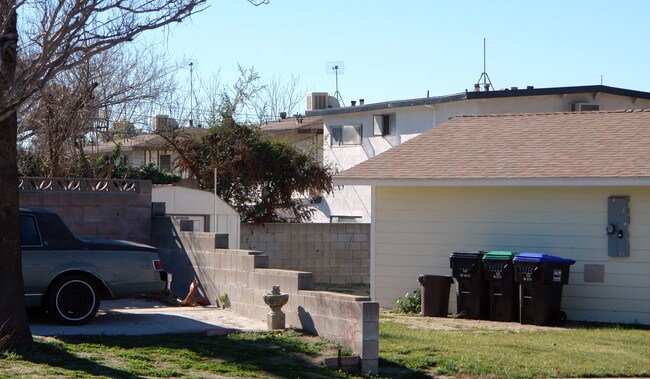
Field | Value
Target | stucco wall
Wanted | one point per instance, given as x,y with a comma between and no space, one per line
355,200
418,228
121,211
334,253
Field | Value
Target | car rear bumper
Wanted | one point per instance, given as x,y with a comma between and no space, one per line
167,278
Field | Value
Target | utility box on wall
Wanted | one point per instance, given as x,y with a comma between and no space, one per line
618,226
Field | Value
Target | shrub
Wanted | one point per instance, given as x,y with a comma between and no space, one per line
409,304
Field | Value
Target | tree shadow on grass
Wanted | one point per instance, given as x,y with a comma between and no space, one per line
181,355
56,356
390,369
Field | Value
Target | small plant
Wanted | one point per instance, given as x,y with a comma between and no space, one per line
223,301
409,304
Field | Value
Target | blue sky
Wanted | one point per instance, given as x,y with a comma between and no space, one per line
402,49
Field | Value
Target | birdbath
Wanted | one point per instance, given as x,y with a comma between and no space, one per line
275,300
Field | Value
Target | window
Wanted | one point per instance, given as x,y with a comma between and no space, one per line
345,135
166,162
384,124
29,235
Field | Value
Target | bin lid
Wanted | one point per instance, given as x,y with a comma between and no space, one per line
467,255
536,257
500,255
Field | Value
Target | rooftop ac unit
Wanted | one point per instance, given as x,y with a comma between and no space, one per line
585,107
317,100
162,122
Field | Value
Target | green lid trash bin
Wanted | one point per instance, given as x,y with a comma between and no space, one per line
504,291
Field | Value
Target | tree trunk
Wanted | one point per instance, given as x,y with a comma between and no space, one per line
14,326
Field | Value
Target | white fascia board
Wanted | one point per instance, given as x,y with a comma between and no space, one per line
533,182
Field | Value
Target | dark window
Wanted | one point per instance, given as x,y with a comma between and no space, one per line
29,235
345,135
384,124
166,162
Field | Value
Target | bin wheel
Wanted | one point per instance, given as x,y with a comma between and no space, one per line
561,318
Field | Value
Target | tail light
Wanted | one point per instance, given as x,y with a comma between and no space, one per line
157,265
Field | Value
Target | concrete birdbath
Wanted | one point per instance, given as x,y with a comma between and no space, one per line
275,319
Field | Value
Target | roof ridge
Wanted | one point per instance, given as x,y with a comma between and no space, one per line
524,114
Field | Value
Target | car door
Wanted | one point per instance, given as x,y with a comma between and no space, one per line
35,270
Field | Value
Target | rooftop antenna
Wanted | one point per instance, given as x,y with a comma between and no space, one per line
191,94
487,83
337,68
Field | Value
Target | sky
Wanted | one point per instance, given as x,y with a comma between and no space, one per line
394,50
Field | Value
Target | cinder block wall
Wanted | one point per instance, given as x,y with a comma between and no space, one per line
117,215
245,276
334,253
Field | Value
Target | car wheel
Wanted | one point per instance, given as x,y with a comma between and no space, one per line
73,300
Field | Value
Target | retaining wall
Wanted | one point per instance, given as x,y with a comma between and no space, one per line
245,276
117,209
334,253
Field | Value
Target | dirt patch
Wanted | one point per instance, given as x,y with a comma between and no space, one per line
449,323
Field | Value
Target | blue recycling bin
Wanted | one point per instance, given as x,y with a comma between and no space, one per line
541,278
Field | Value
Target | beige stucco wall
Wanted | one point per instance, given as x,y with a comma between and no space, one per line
417,228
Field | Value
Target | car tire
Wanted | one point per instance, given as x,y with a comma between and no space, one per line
73,300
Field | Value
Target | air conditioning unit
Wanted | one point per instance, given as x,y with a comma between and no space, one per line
585,107
162,122
317,100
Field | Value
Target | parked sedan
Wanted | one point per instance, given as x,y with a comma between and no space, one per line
69,276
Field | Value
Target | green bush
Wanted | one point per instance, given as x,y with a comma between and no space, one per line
409,304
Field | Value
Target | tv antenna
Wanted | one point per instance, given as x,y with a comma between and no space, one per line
487,83
337,68
193,65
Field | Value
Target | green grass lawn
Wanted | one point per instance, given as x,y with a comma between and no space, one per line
576,351
410,347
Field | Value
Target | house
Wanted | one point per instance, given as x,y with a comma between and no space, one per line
355,134
304,133
148,147
570,184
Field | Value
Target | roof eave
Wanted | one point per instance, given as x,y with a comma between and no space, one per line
496,182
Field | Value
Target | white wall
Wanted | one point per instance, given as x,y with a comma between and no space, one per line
415,120
195,205
417,228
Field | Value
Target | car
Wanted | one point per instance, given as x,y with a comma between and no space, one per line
69,276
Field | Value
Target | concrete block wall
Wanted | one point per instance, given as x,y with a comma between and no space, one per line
245,276
334,253
118,215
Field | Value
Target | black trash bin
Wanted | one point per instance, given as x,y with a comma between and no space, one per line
434,294
504,291
541,278
472,290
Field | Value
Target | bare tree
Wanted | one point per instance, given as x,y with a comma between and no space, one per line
101,99
55,36
277,96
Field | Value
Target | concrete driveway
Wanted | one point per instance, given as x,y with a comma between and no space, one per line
140,317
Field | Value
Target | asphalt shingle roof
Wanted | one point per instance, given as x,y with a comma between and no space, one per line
576,145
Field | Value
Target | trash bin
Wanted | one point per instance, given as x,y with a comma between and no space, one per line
434,293
541,278
504,291
472,291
